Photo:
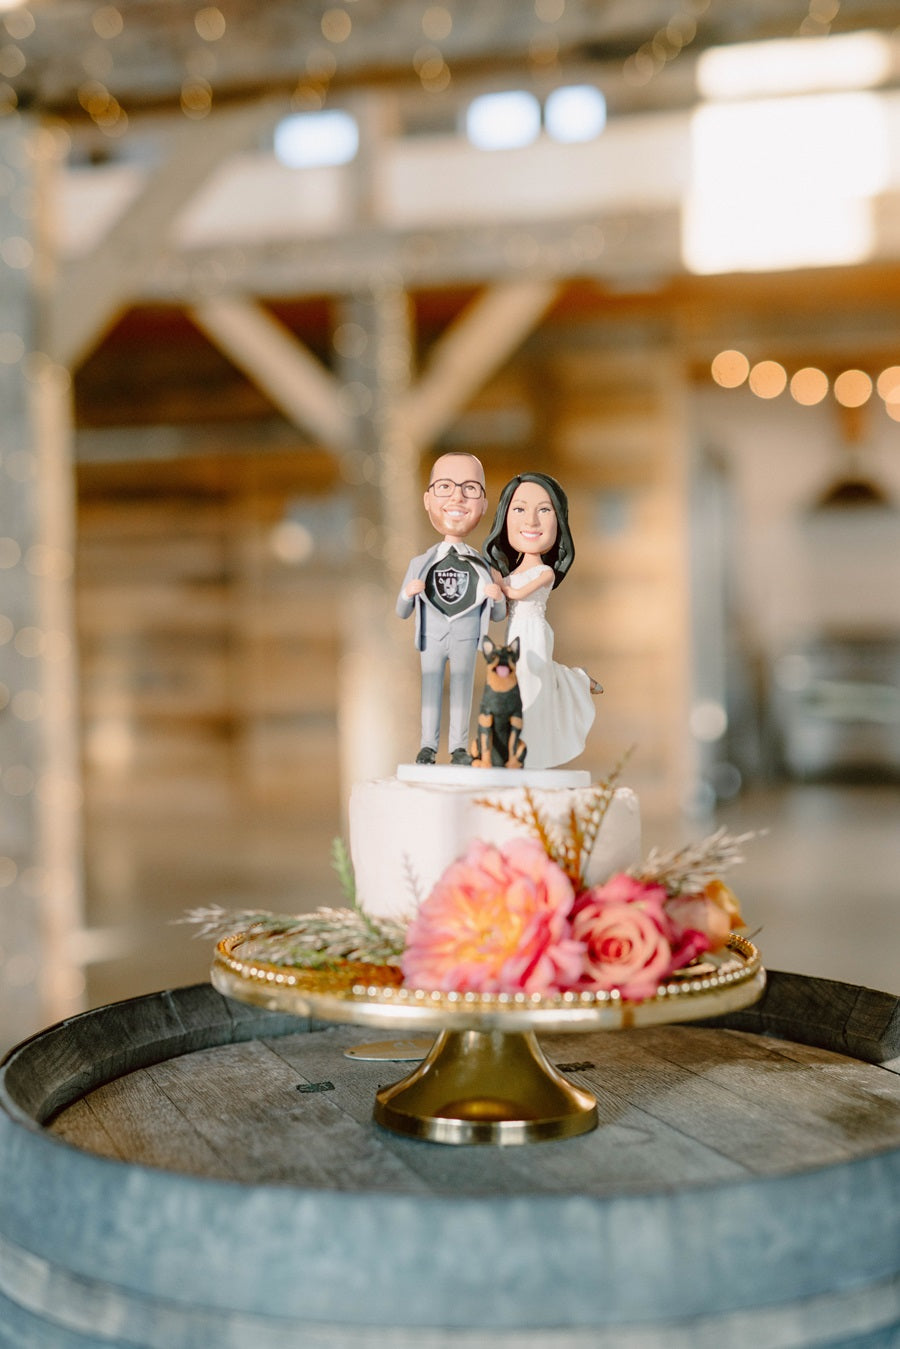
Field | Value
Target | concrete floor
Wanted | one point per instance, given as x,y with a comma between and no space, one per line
820,884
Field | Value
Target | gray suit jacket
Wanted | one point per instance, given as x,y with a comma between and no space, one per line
478,616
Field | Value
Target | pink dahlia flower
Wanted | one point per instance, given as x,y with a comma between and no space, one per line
630,942
497,921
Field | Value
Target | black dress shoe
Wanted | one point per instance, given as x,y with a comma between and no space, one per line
461,756
426,755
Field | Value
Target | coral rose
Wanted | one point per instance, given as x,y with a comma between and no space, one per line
630,944
496,921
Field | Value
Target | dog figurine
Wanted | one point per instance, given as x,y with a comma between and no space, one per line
499,743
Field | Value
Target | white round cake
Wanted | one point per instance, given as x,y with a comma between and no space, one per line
406,830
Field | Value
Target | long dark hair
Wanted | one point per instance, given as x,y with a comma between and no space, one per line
497,548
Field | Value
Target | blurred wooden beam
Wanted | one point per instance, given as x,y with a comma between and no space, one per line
279,363
256,49
473,347
93,290
628,246
165,443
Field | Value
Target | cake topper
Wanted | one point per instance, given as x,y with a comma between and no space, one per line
454,595
531,545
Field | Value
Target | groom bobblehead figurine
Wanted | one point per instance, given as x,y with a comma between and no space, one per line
455,596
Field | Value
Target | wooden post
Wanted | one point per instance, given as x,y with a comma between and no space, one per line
379,696
40,835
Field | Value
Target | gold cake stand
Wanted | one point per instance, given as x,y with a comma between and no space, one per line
486,1078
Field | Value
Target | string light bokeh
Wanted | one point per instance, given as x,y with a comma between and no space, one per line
808,386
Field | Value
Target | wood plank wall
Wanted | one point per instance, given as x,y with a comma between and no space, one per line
208,664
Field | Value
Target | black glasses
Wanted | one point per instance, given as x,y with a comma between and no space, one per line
443,487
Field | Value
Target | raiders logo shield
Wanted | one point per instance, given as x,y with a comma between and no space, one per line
452,584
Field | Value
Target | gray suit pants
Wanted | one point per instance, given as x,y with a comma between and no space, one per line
456,643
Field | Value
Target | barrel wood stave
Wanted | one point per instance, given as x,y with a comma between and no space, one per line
536,1246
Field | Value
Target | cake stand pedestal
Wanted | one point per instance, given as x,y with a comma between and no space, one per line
486,1078
486,1087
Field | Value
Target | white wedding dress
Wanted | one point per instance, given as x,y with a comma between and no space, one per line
557,706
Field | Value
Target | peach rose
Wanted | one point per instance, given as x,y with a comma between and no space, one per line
714,914
630,944
496,921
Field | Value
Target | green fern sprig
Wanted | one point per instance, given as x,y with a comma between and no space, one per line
342,863
343,867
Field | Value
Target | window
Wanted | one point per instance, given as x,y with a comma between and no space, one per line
316,139
575,112
503,121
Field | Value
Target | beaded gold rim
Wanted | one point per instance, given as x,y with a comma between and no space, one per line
356,981
339,977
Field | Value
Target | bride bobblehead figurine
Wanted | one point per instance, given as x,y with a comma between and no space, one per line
531,546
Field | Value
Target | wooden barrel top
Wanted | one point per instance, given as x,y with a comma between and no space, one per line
678,1106
740,1166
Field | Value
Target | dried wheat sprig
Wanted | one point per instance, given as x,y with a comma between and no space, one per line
590,826
216,922
529,816
573,842
689,869
603,798
571,848
584,825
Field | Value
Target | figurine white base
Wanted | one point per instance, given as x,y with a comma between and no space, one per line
462,775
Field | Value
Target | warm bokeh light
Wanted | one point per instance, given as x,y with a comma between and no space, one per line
768,379
893,409
210,23
708,720
336,25
431,69
888,384
809,386
196,98
437,23
852,388
291,542
10,553
107,21
730,369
